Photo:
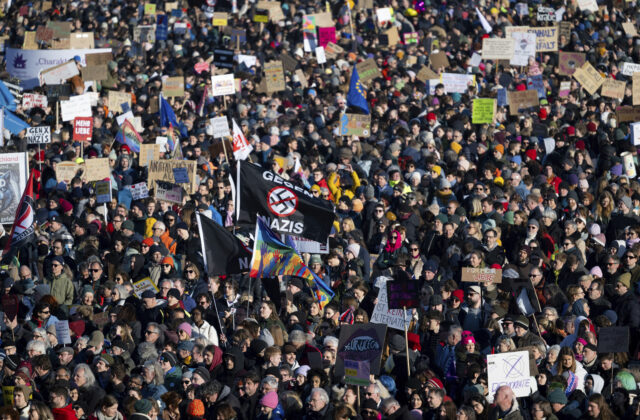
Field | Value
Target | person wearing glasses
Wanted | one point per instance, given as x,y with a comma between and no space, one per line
59,282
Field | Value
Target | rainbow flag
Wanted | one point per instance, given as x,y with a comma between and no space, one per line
129,136
171,138
272,257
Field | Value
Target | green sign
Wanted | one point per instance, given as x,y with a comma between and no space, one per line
483,111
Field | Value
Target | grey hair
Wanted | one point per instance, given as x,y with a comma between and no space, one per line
270,381
322,393
390,402
160,224
554,349
330,340
147,351
455,330
37,346
88,374
550,213
550,309
43,332
298,336
158,377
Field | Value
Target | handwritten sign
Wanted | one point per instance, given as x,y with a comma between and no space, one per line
220,19
75,106
38,135
62,332
180,175
627,113
497,48
589,78
173,87
393,318
355,125
59,74
65,171
368,70
116,98
629,68
162,170
148,152
546,38
510,369
139,190
167,191
222,85
326,35
524,48
612,88
546,14
483,111
402,292
521,100
482,275
568,62
220,127
34,100
274,76
457,83
103,191
97,169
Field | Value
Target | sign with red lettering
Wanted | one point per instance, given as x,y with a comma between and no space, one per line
82,128
481,275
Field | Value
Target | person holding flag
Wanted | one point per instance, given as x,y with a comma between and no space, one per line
357,96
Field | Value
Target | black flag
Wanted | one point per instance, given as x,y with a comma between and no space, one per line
24,224
289,208
223,253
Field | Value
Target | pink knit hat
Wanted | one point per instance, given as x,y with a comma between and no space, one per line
185,327
270,400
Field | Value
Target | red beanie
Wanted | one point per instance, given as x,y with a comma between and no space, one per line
542,114
431,116
435,382
591,127
458,294
531,154
571,130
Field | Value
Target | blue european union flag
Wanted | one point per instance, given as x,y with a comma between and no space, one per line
168,117
357,94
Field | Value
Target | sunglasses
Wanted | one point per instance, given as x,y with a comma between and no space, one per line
189,271
94,270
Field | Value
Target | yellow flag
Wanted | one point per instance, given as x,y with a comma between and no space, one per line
350,3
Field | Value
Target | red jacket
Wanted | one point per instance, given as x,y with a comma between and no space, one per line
64,413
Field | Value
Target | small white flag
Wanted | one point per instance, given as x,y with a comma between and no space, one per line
485,23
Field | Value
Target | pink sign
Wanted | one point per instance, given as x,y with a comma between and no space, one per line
326,35
200,67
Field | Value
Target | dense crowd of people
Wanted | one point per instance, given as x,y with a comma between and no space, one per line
427,192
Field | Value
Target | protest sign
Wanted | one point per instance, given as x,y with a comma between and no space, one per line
612,88
96,169
220,127
393,318
76,106
149,8
247,60
360,343
588,77
564,30
510,369
565,88
61,44
355,125
289,63
357,372
497,48
223,58
425,74
384,14
103,191
65,171
139,190
402,292
613,340
34,100
61,28
630,29
307,245
222,85
44,34
148,152
7,391
274,76
141,286
590,5
510,30
546,38
629,68
98,59
457,83
635,90
180,175
537,83
568,62
627,113
482,275
439,60
483,111
326,35
59,74
635,133
302,78
390,37
167,191
116,98
524,48
546,14
144,33
82,128
162,170
368,70
29,42
62,332
38,135
332,50
173,87
220,19
410,37
261,16
628,161
94,73
81,40
238,36
320,57
519,100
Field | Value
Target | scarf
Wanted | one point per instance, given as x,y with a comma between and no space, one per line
391,247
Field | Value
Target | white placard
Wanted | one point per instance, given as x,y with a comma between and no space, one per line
511,369
384,14
33,100
38,135
629,68
76,106
457,83
220,127
248,60
635,133
62,332
591,5
139,190
525,47
391,317
320,56
549,144
223,84
307,245
59,74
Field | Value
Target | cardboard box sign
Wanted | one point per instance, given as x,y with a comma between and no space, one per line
368,70
569,62
481,275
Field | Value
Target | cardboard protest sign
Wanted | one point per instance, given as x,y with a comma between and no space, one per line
627,113
613,340
167,191
629,29
95,73
148,152
546,38
81,40
261,16
332,50
75,106
61,44
588,77
162,170
635,90
368,70
139,191
524,48
568,62
393,318
289,63
302,78
425,74
390,37
274,76
59,74
98,59
483,111
497,48
222,85
220,127
482,275
141,286
65,171
612,88
96,169
439,60
117,98
510,369
61,29
564,30
402,292
34,100
38,135
355,125
410,37
521,100
220,19
173,87
82,128
360,342
44,34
